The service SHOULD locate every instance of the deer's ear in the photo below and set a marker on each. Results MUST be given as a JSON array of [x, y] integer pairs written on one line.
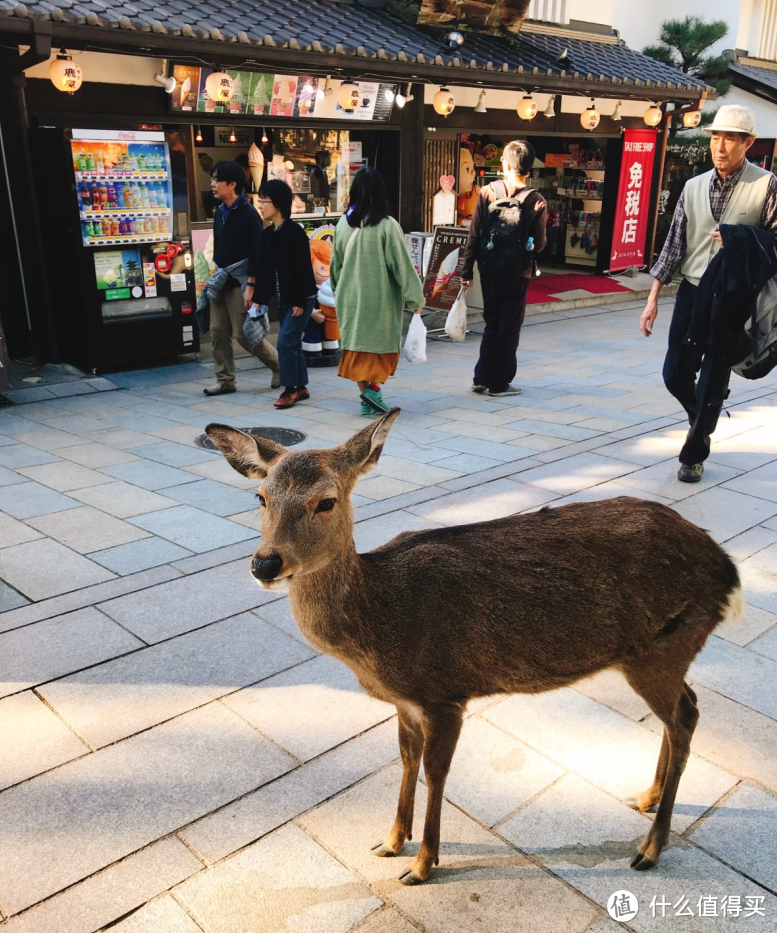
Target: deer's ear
[[363, 449], [249, 455]]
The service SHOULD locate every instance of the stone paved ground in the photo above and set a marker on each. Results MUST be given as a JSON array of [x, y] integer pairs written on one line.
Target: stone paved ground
[[176, 759]]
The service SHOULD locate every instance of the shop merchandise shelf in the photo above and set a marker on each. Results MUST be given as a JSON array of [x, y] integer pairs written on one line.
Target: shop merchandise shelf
[[122, 176]]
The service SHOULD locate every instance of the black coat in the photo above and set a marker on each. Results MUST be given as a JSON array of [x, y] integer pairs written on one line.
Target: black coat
[[235, 238], [284, 252], [724, 299]]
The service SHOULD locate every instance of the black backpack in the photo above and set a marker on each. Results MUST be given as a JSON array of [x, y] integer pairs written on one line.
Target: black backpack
[[504, 233]]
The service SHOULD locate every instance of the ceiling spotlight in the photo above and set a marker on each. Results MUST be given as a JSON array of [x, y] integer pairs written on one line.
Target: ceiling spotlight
[[232, 137], [389, 95], [564, 60], [401, 99], [323, 90], [481, 104], [265, 140], [550, 110], [167, 82], [454, 40], [198, 137], [616, 114]]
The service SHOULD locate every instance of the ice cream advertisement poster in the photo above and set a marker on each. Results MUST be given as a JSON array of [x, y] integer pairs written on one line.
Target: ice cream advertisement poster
[[284, 94], [240, 90], [187, 84], [305, 103], [260, 93], [443, 276]]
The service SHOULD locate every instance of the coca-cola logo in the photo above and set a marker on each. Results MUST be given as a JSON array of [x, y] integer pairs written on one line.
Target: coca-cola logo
[[126, 135]]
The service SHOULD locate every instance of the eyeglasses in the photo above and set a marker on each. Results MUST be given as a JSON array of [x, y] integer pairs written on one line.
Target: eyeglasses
[[264, 201]]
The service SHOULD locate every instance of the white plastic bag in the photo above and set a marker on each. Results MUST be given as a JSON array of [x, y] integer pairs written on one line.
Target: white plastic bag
[[456, 322], [414, 350]]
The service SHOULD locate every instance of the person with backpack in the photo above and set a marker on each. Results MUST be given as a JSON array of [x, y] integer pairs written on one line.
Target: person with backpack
[[735, 192], [506, 233]]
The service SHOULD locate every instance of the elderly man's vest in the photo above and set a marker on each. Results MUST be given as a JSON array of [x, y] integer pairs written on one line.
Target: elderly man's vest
[[745, 207]]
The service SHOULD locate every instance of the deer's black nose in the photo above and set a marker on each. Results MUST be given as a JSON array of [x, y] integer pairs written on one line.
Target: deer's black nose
[[266, 568]]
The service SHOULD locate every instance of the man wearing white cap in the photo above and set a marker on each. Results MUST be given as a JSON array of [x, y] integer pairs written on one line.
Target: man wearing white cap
[[734, 192]]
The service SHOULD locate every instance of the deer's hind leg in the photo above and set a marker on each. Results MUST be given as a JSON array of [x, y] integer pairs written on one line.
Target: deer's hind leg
[[674, 703], [411, 746]]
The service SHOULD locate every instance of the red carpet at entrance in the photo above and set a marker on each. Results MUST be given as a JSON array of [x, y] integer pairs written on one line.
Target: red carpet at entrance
[[543, 288]]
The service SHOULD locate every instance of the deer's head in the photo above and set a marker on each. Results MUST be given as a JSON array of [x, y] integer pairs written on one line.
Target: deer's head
[[304, 496]]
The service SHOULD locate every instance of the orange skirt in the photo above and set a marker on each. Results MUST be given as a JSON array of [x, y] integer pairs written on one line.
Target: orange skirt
[[360, 366]]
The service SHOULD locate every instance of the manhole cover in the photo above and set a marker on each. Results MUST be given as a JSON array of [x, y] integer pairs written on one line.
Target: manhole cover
[[284, 436]]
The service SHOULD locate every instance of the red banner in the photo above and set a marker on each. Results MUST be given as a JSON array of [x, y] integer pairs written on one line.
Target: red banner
[[633, 205]]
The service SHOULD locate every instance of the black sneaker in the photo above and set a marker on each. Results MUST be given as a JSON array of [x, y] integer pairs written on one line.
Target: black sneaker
[[479, 388], [690, 472]]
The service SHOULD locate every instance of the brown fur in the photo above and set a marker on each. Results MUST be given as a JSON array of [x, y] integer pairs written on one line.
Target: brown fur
[[518, 605]]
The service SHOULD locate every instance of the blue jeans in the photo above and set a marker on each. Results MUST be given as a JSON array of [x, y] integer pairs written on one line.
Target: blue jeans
[[294, 371]]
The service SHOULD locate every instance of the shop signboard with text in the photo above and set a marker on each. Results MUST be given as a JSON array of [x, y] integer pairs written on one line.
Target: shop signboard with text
[[443, 275], [633, 205]]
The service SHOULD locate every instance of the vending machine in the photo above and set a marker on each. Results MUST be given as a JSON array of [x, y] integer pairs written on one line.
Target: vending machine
[[120, 244]]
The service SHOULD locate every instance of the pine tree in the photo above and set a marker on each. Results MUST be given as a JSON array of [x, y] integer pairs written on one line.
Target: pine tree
[[682, 45]]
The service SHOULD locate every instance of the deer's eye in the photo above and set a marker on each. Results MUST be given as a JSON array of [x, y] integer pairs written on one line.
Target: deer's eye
[[326, 505], [262, 502]]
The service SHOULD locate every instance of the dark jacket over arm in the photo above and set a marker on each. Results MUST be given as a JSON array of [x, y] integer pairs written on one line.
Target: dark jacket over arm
[[284, 252], [486, 196]]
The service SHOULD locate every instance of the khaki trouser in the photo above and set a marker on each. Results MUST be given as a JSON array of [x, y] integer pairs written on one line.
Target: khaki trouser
[[227, 315]]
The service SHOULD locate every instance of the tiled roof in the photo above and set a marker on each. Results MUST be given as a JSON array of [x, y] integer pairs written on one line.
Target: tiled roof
[[344, 28], [764, 76]]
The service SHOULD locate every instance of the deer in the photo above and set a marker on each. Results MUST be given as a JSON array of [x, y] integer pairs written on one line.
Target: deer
[[522, 604]]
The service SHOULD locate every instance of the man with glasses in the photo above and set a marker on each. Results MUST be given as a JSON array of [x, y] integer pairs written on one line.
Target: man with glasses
[[734, 192], [236, 229]]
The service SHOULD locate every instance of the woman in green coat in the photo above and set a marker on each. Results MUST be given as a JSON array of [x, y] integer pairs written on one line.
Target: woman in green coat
[[373, 279]]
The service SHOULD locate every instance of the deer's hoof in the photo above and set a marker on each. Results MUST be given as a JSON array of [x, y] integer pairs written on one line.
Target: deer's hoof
[[641, 862], [410, 878], [381, 850]]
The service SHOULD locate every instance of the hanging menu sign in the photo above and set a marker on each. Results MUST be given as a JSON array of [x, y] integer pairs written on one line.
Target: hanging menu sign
[[282, 95]]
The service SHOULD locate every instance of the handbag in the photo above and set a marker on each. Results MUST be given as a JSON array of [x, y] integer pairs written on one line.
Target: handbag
[[456, 322]]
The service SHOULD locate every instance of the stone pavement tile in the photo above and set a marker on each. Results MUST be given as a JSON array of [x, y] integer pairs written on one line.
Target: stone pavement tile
[[148, 475], [739, 674], [472, 445], [385, 921], [725, 513], [302, 888], [384, 487], [120, 438], [742, 832], [662, 479], [49, 439], [754, 622], [40, 652], [11, 477], [750, 542], [10, 598], [123, 500], [511, 893], [466, 463], [138, 555], [575, 473], [610, 490], [765, 559], [311, 708], [187, 603], [122, 697], [181, 434], [278, 613], [493, 774], [484, 432], [221, 472], [760, 588], [766, 644], [213, 497], [86, 529], [193, 529], [646, 449], [761, 482], [133, 421], [612, 689], [491, 500], [588, 840], [64, 476], [572, 448], [15, 532], [364, 509], [176, 455], [79, 599], [164, 914], [112, 892], [378, 531], [606, 749], [44, 568], [415, 450], [253, 518], [85, 815], [566, 432], [26, 500], [33, 739], [540, 442], [253, 816], [418, 473], [216, 558], [485, 476], [606, 926]]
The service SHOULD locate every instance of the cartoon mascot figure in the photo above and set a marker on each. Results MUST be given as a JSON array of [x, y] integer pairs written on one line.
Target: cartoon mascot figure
[[322, 335]]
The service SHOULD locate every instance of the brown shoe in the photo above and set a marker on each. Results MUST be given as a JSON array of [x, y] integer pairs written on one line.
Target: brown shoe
[[219, 389], [287, 399], [302, 395]]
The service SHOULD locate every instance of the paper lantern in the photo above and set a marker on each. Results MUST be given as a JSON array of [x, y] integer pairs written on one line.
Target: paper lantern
[[65, 74], [653, 115], [692, 119], [219, 86], [589, 118], [444, 102], [527, 107], [348, 95]]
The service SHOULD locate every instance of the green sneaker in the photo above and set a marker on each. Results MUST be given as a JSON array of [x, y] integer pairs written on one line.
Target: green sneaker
[[368, 409], [374, 400]]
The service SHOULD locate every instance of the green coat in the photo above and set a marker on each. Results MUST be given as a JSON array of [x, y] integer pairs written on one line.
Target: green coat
[[372, 285]]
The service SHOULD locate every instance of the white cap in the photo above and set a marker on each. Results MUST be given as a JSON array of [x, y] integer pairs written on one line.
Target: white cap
[[733, 118]]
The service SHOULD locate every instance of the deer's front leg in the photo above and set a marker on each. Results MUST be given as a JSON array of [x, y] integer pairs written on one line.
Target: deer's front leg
[[411, 746], [441, 732]]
